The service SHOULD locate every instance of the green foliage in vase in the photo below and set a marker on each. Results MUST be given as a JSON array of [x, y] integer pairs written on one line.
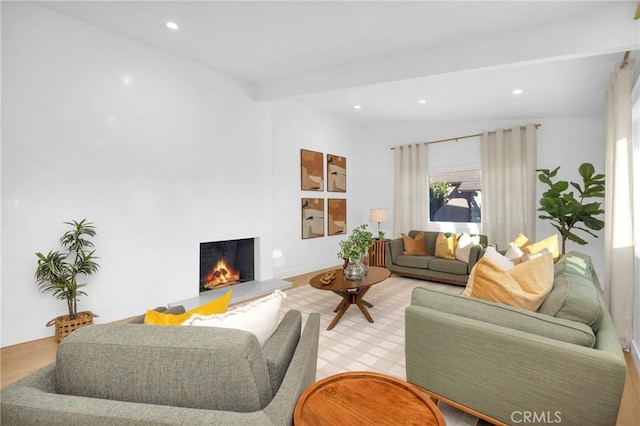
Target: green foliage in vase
[[357, 244], [58, 271], [568, 213]]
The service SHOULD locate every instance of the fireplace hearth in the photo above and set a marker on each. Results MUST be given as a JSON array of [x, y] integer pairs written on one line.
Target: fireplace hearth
[[225, 263]]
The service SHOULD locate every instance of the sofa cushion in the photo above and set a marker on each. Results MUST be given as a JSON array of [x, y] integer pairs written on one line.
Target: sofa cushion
[[448, 265], [207, 368], [421, 262], [506, 316], [575, 295], [525, 285], [414, 246]]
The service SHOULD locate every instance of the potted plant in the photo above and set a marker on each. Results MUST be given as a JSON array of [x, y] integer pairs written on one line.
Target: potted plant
[[568, 213], [352, 251], [58, 273]]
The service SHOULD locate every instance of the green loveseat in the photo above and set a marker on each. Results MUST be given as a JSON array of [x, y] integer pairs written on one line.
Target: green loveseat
[[451, 271], [562, 364], [115, 374]]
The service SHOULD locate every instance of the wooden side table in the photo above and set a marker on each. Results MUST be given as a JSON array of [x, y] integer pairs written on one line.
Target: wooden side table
[[377, 253], [365, 398]]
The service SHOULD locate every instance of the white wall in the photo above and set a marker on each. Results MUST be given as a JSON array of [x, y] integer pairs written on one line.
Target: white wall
[[160, 153], [297, 126], [564, 142]]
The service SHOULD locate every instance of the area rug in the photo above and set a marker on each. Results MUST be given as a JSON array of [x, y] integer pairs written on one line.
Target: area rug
[[355, 344]]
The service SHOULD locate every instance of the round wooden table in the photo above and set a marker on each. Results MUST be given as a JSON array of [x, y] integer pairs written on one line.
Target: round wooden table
[[365, 398], [352, 292]]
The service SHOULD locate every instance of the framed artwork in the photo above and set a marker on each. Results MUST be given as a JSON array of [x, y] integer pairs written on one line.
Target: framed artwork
[[337, 216], [311, 170], [312, 217], [336, 173]]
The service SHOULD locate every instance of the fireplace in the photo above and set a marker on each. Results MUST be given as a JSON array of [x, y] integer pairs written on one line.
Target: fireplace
[[225, 263]]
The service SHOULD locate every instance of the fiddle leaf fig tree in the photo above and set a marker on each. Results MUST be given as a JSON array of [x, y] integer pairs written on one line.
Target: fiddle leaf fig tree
[[58, 271], [568, 212]]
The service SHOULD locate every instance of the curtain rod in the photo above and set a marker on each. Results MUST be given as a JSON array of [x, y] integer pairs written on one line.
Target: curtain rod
[[537, 125]]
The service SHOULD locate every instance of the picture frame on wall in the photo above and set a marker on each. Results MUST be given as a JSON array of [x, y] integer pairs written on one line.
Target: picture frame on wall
[[312, 217], [336, 173], [311, 170], [336, 216]]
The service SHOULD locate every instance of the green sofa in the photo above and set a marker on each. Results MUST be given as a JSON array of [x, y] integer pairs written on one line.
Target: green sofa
[[431, 268], [115, 374], [562, 364]]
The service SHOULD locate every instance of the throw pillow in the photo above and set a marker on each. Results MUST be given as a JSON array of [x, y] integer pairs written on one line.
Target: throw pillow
[[215, 306], [259, 317], [525, 285], [446, 246], [521, 241], [490, 254], [513, 252], [550, 242], [464, 245], [414, 246]]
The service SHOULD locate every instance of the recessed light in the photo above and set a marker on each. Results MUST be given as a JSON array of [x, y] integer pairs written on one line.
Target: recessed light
[[172, 25], [422, 101], [357, 107], [518, 92]]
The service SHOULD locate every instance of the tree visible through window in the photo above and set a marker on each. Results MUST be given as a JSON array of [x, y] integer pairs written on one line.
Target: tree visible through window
[[455, 196]]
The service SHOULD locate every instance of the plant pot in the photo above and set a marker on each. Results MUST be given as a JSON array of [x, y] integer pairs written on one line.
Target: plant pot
[[65, 325]]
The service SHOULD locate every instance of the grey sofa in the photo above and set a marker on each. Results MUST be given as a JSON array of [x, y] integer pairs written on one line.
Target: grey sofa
[[430, 267], [115, 374], [562, 364]]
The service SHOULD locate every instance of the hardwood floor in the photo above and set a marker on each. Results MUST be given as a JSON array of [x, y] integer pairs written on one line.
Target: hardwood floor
[[19, 360]]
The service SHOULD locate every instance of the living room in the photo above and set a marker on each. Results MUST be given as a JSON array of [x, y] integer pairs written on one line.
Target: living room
[[163, 152]]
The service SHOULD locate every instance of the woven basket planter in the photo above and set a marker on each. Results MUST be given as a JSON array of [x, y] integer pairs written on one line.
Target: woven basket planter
[[65, 325]]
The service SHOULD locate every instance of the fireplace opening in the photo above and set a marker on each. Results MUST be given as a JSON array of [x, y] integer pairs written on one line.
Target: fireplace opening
[[225, 263]]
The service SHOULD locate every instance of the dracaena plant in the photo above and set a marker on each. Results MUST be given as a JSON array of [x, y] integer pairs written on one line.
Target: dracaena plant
[[570, 211], [58, 271]]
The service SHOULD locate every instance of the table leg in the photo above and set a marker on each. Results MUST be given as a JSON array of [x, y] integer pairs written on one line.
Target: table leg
[[367, 304], [361, 304], [344, 305]]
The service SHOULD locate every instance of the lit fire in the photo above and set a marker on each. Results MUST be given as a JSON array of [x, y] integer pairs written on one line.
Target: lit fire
[[221, 274]]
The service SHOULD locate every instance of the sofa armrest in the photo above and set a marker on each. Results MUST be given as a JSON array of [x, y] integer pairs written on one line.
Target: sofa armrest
[[281, 346], [474, 255], [500, 372], [394, 248]]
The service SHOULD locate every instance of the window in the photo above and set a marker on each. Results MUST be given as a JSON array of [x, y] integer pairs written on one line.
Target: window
[[455, 196]]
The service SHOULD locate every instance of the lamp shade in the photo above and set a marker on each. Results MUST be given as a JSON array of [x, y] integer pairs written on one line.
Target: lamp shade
[[379, 215]]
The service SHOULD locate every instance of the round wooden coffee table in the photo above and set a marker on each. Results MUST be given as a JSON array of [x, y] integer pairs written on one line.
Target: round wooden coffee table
[[352, 292], [365, 398]]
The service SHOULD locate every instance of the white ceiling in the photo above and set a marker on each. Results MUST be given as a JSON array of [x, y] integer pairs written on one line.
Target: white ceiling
[[463, 58]]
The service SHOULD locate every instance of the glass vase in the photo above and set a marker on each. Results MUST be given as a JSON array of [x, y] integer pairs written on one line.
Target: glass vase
[[354, 270]]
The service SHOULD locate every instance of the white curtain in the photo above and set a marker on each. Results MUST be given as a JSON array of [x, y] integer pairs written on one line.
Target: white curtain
[[410, 208], [508, 159], [618, 230]]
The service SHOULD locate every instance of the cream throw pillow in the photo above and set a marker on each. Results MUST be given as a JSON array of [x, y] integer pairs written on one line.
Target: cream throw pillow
[[513, 252], [464, 245], [259, 317], [446, 246], [526, 285], [490, 254]]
